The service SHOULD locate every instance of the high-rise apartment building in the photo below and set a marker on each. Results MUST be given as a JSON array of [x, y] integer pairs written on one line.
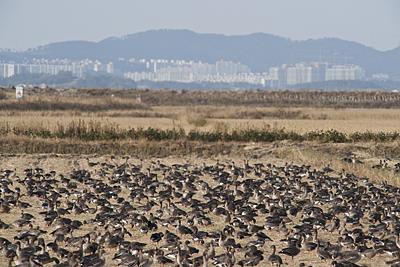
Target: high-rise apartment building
[[299, 73], [292, 74], [7, 70], [110, 68], [344, 73], [230, 68]]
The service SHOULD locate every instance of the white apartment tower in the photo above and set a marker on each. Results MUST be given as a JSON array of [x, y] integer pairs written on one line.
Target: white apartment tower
[[7, 70], [300, 73], [110, 68]]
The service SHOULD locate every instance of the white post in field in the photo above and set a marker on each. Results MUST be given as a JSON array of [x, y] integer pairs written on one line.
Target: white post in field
[[19, 91]]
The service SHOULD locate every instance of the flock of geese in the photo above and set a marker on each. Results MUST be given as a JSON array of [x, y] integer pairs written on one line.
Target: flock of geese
[[383, 163], [120, 213]]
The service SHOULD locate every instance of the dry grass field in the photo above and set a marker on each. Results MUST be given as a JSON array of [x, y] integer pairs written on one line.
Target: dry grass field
[[209, 118], [206, 110], [98, 130]]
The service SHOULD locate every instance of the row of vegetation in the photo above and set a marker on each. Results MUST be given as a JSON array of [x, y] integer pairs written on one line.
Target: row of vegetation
[[300, 98], [230, 112], [69, 103], [96, 131]]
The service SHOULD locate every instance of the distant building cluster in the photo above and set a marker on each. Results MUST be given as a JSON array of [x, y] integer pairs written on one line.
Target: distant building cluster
[[187, 71], [54, 67], [191, 71], [232, 72], [292, 74]]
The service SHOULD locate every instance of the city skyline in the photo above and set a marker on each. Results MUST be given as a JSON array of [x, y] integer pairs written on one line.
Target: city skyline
[[160, 70], [25, 24]]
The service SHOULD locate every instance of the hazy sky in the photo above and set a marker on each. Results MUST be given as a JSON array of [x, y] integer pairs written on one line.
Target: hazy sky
[[29, 23]]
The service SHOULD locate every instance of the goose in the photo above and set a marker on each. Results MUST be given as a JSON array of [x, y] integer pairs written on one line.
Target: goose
[[253, 261], [346, 240], [4, 207], [394, 262], [348, 256], [291, 251], [161, 259], [53, 246], [367, 252], [183, 230], [398, 240], [45, 258], [322, 253], [125, 258], [199, 235], [381, 165], [345, 264], [156, 237], [397, 167], [226, 259], [24, 255], [227, 243], [309, 245], [262, 236], [209, 251], [94, 260], [252, 251], [352, 160], [171, 238], [29, 263], [335, 224], [275, 260]]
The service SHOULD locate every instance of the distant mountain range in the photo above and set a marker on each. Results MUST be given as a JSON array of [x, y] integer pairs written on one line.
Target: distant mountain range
[[259, 51]]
